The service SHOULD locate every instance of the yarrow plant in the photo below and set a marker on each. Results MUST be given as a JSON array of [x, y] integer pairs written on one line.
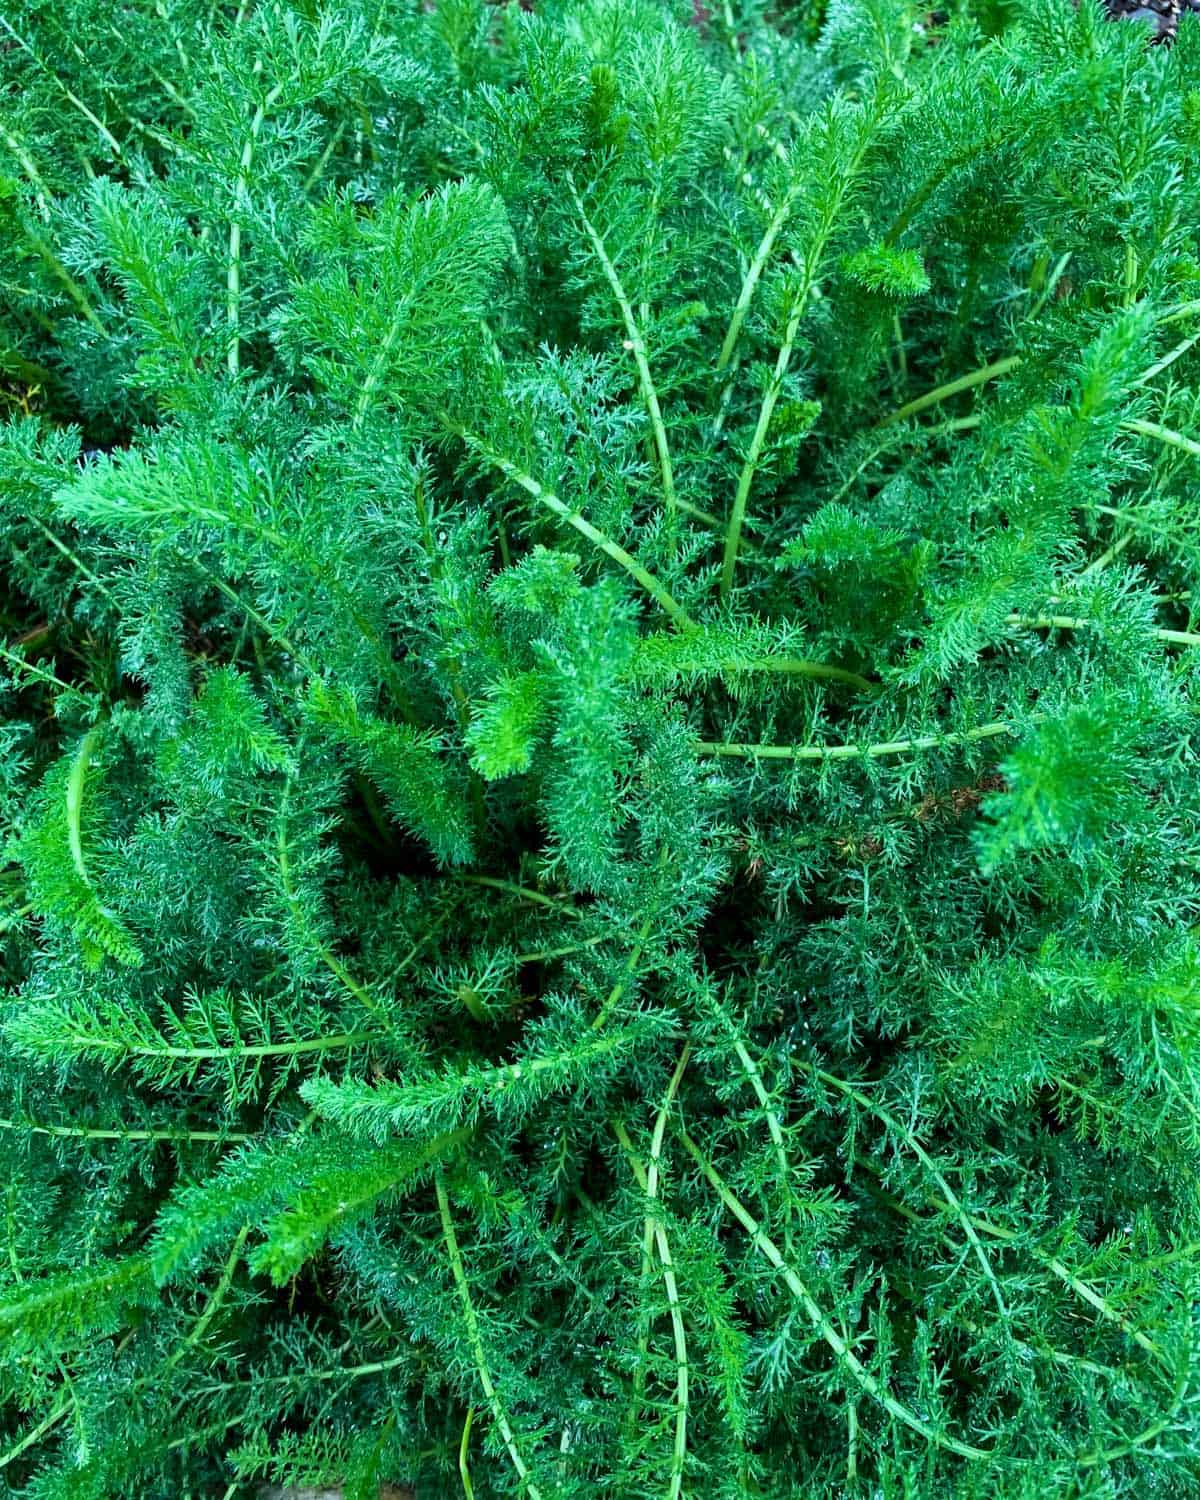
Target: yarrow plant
[[600, 798]]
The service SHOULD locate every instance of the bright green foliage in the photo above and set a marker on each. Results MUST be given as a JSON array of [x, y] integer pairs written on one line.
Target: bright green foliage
[[598, 791]]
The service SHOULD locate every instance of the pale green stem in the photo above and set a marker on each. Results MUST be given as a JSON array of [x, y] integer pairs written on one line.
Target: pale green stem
[[679, 1334], [475, 1341], [503, 1074], [29, 167], [83, 1133], [37, 1433], [212, 1306], [808, 268], [1163, 435], [329, 959], [1071, 622], [1169, 358], [751, 279], [1184, 310], [524, 892], [774, 1127], [551, 501], [841, 1348], [952, 388], [701, 515], [1097, 564], [323, 160], [13, 919], [636, 346], [855, 752], [798, 666], [801, 667], [545, 954], [1081, 1288], [200, 1054], [93, 119], [75, 561], [72, 287], [656, 1236], [34, 671], [733, 533], [464, 1456], [864, 1101], [631, 963], [75, 788], [1051, 283], [233, 280], [1003, 366]]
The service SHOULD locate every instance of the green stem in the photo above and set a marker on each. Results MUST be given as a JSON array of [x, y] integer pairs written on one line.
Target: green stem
[[37, 672], [29, 167], [545, 954], [36, 1434], [93, 119], [737, 516], [952, 388], [841, 1348], [551, 501], [1080, 1287], [655, 1235], [524, 892], [631, 963], [464, 1456], [753, 273], [269, 630], [75, 789], [807, 267], [1169, 358], [75, 561], [475, 1341], [1072, 622], [1176, 314], [79, 1132], [1163, 435], [13, 919], [637, 347], [801, 667], [654, 1219], [323, 160], [855, 752], [233, 279], [76, 293], [282, 1049], [328, 958], [214, 1302], [774, 1127], [864, 1101]]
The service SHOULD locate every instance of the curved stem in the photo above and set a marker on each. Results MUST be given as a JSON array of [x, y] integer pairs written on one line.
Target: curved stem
[[864, 1101], [841, 1348], [741, 497], [475, 1341], [637, 348], [753, 273], [585, 528]]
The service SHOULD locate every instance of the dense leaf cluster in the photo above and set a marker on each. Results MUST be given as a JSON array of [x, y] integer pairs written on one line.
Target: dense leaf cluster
[[601, 832]]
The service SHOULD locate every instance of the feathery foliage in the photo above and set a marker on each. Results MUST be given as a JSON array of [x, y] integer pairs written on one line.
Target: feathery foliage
[[597, 765]]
